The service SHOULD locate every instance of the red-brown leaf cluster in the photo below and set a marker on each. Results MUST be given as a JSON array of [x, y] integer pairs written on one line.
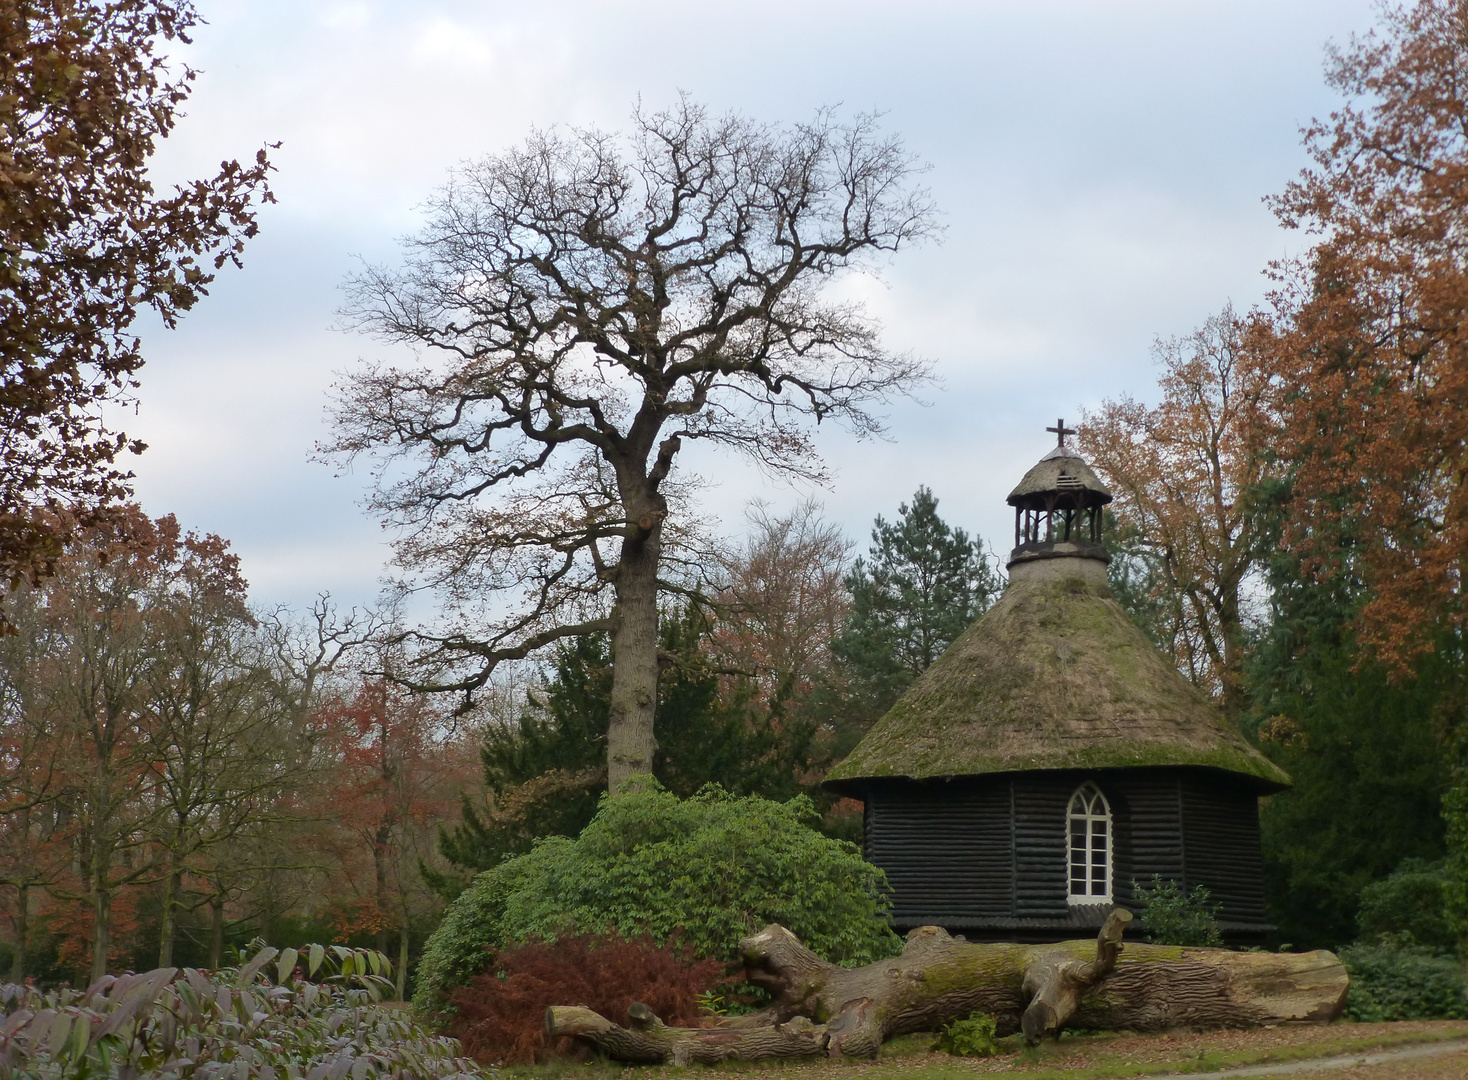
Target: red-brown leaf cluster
[[1367, 348], [501, 1014], [86, 243]]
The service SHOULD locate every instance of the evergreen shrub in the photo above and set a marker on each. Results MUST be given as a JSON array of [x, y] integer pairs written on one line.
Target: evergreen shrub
[[1397, 981], [500, 1015], [711, 869], [1173, 917], [1410, 903]]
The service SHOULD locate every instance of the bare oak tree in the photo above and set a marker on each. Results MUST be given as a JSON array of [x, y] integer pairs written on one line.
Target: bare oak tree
[[585, 305]]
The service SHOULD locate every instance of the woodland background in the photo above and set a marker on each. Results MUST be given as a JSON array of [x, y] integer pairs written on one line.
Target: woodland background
[[184, 772]]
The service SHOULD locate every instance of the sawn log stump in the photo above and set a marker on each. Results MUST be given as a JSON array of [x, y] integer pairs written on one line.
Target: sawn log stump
[[823, 1010]]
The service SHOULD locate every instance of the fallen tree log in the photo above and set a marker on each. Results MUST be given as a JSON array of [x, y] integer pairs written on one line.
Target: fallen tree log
[[821, 1009]]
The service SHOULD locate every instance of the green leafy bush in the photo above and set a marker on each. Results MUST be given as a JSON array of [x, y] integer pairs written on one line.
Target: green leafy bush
[[266, 1019], [970, 1037], [712, 868], [1396, 981], [1172, 917], [1411, 902], [471, 930]]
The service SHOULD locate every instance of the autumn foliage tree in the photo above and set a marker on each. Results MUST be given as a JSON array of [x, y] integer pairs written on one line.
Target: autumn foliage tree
[[784, 602], [1186, 476], [393, 772], [587, 305], [1367, 347], [122, 732], [86, 243]]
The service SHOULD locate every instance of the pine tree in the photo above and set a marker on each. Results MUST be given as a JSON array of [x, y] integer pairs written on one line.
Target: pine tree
[[921, 584]]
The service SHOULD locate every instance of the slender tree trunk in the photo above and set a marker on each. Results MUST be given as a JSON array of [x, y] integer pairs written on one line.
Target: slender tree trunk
[[630, 741], [101, 922], [21, 921], [216, 932], [1231, 628], [379, 864], [169, 930], [402, 983]]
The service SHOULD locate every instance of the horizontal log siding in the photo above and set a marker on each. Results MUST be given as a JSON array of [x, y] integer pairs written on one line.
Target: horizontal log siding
[[1221, 838], [945, 849], [1153, 826], [1040, 854], [967, 852]]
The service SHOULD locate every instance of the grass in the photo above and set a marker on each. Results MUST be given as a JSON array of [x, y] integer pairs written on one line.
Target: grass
[[1077, 1056]]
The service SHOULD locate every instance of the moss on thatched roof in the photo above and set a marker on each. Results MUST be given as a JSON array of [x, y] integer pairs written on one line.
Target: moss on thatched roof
[[1054, 676]]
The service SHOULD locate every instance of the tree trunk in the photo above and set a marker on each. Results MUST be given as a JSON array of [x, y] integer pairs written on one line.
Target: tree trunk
[[824, 1010], [101, 926], [380, 840], [21, 922], [630, 741], [402, 981], [216, 932], [168, 931], [1231, 671]]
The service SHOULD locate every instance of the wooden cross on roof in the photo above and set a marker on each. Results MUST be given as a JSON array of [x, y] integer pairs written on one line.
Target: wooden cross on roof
[[1061, 431]]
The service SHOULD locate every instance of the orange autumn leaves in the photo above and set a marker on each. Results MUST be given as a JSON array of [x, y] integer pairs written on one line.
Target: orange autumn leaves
[[1366, 345], [1351, 388]]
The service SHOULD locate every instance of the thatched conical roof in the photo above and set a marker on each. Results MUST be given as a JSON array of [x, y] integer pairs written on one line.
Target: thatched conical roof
[[1053, 676], [1062, 471]]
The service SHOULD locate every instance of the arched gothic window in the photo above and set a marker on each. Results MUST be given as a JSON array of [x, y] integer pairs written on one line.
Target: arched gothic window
[[1089, 821]]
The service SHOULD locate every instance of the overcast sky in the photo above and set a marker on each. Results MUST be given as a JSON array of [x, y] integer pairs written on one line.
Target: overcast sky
[[1100, 167]]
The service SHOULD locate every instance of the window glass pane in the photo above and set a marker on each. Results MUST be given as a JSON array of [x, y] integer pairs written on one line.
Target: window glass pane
[[1088, 827]]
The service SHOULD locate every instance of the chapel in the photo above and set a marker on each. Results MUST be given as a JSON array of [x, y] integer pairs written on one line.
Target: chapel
[[1053, 758]]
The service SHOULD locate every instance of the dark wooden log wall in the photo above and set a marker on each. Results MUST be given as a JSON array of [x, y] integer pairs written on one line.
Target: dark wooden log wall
[[989, 853]]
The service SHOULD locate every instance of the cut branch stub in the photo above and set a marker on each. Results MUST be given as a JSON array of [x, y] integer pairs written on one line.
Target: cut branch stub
[[1057, 984]]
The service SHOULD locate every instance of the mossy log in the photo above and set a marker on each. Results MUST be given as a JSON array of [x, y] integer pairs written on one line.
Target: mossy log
[[822, 1010]]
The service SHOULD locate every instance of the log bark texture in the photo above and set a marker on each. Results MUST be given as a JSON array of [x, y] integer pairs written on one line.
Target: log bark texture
[[821, 1009]]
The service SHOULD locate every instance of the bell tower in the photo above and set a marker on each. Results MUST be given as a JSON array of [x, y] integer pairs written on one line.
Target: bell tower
[[1058, 511]]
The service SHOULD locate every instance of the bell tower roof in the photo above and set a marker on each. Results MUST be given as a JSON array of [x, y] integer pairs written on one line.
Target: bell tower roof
[[1058, 507]]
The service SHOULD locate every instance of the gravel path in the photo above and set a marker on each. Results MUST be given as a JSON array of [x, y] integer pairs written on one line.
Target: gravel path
[[1407, 1062]]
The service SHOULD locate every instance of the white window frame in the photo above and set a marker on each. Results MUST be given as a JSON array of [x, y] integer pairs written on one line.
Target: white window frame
[[1089, 809]]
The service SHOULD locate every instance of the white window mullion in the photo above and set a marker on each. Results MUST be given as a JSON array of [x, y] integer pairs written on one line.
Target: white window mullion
[[1088, 828]]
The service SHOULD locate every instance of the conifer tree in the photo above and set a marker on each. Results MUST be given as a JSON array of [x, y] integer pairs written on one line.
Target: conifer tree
[[920, 585]]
